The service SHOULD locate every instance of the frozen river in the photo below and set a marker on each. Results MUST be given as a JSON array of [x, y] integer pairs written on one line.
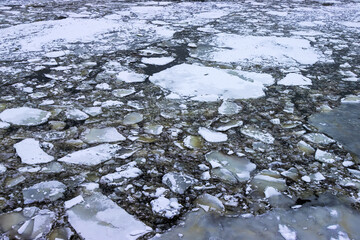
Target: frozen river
[[190, 120]]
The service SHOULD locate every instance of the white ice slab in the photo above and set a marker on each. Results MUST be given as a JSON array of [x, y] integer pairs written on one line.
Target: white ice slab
[[261, 49], [30, 152], [97, 217], [24, 116], [130, 77], [295, 79], [212, 136], [209, 84], [157, 60], [102, 135], [91, 156]]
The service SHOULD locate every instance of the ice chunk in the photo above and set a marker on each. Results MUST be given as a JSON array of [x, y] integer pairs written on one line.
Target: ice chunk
[[323, 156], [76, 114], [229, 108], [318, 138], [157, 60], [93, 111], [72, 202], [102, 135], [123, 92], [295, 79], [97, 217], [91, 156], [229, 125], [193, 142], [2, 168], [132, 118], [103, 86], [268, 178], [212, 136], [165, 207], [202, 83], [153, 129], [25, 116], [286, 232], [239, 168], [270, 191], [258, 134], [210, 203], [50, 190], [130, 77], [122, 173], [4, 125], [178, 182], [30, 152]]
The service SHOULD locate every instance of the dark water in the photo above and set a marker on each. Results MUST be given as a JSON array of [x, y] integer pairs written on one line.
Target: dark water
[[342, 124]]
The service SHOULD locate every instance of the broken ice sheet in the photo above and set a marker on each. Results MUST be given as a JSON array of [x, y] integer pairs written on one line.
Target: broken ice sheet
[[50, 190], [25, 116], [91, 156], [30, 152], [97, 217], [102, 135]]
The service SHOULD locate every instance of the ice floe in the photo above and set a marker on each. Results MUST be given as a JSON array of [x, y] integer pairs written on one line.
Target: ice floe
[[49, 190], [239, 168], [91, 156], [25, 116], [261, 49], [102, 135], [157, 60], [210, 84], [30, 152], [295, 79], [98, 217], [212, 136]]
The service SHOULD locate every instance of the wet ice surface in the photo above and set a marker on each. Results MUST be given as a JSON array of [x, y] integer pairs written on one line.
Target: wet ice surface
[[128, 117], [342, 124], [334, 221]]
